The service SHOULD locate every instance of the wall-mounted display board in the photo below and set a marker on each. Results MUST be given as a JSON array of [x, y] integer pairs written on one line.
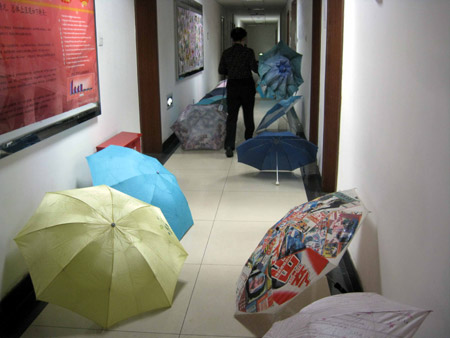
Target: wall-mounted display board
[[48, 69], [189, 38]]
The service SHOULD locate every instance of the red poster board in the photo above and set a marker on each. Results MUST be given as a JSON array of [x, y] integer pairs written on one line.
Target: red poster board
[[48, 60]]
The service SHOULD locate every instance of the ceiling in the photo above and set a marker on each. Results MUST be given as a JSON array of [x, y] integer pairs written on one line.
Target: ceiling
[[255, 11], [254, 4]]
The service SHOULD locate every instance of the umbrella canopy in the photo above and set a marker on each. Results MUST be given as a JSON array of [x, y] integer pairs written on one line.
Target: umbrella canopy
[[214, 99], [276, 151], [144, 178], [201, 127], [280, 72], [360, 314], [217, 95], [280, 109], [101, 253], [298, 250]]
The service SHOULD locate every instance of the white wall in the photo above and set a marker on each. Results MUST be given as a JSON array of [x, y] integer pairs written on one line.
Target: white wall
[[194, 87], [395, 148], [59, 162], [228, 26], [323, 51], [304, 47]]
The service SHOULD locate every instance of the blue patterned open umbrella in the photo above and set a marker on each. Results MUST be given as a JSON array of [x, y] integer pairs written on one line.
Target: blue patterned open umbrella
[[280, 109], [144, 178], [276, 151], [217, 95], [280, 72]]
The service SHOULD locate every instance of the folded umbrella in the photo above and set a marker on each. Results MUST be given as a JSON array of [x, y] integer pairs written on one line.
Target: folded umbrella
[[281, 109], [144, 178], [276, 151], [201, 127], [101, 253], [298, 250]]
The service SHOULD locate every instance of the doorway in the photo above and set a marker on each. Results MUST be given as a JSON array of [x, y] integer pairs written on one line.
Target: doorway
[[148, 75], [261, 37], [332, 94], [332, 86]]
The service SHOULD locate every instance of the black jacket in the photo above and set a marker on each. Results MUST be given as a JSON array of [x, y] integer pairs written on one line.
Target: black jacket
[[237, 62]]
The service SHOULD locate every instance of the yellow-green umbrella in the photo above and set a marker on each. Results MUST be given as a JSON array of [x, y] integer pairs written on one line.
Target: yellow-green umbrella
[[101, 253]]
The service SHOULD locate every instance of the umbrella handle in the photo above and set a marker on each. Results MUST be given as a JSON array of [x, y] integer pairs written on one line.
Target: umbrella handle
[[276, 162]]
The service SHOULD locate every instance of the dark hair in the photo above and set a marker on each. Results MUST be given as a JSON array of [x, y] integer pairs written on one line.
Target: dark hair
[[238, 33]]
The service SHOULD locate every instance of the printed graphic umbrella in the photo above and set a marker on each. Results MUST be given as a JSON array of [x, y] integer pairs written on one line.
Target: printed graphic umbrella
[[280, 109], [201, 127], [144, 178], [101, 253], [276, 151], [359, 314], [300, 249], [280, 72]]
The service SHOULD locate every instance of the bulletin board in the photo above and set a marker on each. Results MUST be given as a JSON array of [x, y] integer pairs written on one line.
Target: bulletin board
[[48, 69], [189, 38]]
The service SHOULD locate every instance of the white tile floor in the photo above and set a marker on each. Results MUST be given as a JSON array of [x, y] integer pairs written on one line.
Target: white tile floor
[[232, 205]]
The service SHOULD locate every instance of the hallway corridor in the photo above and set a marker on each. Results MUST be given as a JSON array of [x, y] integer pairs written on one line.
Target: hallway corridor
[[233, 205]]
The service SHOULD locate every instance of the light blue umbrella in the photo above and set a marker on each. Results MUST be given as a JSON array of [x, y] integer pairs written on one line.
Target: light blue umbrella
[[145, 178], [280, 72], [211, 100], [276, 151], [217, 95], [280, 109]]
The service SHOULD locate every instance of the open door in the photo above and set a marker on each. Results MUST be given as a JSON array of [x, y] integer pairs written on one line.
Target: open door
[[333, 86], [148, 75]]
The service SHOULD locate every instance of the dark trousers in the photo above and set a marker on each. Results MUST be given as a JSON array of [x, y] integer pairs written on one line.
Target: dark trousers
[[240, 93]]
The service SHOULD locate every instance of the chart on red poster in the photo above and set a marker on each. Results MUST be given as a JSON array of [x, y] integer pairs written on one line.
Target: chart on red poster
[[48, 60]]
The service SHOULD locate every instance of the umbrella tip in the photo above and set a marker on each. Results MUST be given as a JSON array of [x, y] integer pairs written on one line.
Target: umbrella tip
[[113, 224], [157, 172]]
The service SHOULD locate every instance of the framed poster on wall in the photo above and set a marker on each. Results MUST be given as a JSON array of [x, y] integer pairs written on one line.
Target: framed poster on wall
[[189, 38], [48, 69]]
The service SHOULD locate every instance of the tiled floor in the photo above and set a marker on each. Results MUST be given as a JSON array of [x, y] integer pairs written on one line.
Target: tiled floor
[[232, 205]]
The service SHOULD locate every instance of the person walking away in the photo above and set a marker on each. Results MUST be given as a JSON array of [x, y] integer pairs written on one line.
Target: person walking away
[[237, 63]]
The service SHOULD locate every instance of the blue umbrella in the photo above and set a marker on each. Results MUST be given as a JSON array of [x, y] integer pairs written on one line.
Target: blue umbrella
[[222, 91], [211, 100], [281, 108], [144, 178], [262, 93], [276, 151], [217, 95], [280, 72]]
